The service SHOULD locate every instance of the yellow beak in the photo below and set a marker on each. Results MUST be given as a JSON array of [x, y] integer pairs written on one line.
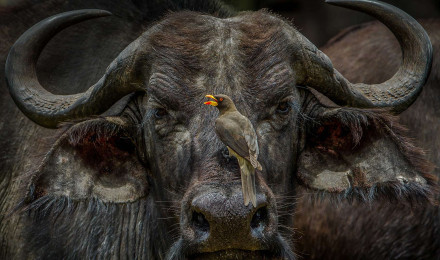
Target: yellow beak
[[212, 103]]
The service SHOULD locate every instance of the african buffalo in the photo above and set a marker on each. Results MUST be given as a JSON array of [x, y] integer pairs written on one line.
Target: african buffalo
[[125, 163]]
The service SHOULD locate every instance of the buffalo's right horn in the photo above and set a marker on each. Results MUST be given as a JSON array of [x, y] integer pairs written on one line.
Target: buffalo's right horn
[[47, 109]]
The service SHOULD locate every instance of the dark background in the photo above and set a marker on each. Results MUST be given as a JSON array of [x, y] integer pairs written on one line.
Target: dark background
[[319, 21]]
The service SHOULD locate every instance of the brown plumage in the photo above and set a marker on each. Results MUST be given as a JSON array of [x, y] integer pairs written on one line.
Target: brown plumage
[[238, 134]]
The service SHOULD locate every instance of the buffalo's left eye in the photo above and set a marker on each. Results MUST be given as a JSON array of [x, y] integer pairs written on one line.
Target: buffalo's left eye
[[283, 108], [160, 113]]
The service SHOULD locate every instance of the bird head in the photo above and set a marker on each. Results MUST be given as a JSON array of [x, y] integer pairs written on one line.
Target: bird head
[[222, 102]]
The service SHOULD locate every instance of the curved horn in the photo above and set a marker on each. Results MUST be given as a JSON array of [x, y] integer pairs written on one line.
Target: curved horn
[[47, 109], [397, 93]]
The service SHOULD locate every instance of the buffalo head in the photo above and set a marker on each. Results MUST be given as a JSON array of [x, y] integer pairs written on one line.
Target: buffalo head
[[152, 179]]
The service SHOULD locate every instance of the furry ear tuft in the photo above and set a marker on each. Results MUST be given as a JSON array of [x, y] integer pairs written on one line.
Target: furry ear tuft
[[363, 154], [93, 159]]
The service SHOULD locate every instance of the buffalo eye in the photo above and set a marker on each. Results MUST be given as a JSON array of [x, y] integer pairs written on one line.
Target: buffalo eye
[[160, 113], [283, 108], [124, 143]]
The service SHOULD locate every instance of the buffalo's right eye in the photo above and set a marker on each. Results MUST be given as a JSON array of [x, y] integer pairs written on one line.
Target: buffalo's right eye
[[160, 113]]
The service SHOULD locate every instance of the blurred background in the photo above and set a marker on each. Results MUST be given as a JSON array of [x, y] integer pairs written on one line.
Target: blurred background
[[319, 21], [315, 19]]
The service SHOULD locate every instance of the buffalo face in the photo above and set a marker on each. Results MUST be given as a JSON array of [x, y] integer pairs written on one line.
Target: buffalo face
[[182, 149], [153, 179]]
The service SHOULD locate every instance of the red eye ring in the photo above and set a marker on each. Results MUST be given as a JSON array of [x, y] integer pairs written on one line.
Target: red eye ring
[[221, 99]]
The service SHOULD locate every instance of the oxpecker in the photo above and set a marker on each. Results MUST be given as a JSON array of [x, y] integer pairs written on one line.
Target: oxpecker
[[238, 134]]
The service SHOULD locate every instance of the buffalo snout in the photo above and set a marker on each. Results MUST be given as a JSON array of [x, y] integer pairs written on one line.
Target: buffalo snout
[[214, 219]]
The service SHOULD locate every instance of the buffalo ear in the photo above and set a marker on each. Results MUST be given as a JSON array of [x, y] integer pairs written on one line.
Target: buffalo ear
[[92, 159], [362, 154]]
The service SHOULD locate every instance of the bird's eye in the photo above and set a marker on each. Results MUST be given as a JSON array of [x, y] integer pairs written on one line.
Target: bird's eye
[[221, 99], [283, 108], [160, 113]]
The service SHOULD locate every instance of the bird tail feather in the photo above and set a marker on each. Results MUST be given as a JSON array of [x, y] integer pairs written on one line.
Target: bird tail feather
[[248, 183]]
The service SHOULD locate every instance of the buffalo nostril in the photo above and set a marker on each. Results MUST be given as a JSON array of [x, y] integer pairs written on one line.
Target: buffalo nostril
[[199, 221], [260, 218]]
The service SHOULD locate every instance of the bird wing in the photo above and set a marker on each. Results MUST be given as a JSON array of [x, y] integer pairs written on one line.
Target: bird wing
[[237, 132], [252, 142]]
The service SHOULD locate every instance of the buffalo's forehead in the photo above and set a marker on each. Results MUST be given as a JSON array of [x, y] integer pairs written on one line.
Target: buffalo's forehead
[[246, 57]]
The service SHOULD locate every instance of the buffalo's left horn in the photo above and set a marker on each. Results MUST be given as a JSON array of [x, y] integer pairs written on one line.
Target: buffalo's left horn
[[48, 109], [397, 93]]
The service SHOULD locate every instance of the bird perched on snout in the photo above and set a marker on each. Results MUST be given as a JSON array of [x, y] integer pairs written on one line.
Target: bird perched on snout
[[238, 134]]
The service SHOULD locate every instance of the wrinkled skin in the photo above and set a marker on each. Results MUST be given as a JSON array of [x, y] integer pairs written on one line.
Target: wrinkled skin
[[144, 180], [20, 137], [166, 146], [179, 150]]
